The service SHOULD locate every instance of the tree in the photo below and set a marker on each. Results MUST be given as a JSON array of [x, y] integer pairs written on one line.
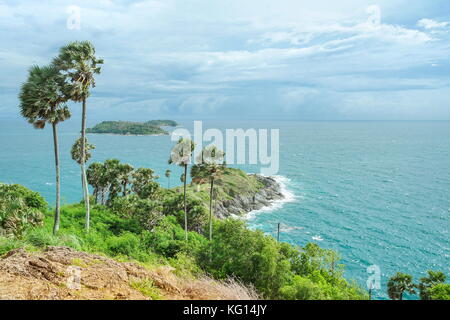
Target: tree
[[144, 184], [125, 173], [426, 283], [42, 100], [95, 177], [440, 291], [113, 186], [211, 167], [167, 174], [78, 63], [76, 150], [181, 155], [399, 284]]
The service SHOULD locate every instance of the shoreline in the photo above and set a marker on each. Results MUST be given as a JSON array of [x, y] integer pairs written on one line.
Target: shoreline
[[288, 196], [271, 196]]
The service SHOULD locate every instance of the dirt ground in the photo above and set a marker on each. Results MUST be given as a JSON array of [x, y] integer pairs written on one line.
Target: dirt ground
[[61, 273]]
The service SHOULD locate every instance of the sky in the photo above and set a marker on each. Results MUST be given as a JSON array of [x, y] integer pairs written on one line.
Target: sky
[[242, 59]]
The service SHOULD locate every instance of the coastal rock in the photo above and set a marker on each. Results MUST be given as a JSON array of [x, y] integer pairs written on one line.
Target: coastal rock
[[247, 202]]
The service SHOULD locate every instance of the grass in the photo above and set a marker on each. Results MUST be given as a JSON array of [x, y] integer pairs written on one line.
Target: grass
[[147, 288]]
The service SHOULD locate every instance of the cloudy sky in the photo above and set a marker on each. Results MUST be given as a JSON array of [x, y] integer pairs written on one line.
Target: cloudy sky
[[246, 59]]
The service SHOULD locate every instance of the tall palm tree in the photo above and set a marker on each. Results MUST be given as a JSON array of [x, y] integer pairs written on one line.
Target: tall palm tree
[[125, 171], [181, 155], [210, 166], [167, 174], [78, 63], [399, 284], [42, 100]]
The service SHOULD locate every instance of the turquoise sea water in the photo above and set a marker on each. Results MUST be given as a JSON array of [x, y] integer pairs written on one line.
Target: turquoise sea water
[[377, 192]]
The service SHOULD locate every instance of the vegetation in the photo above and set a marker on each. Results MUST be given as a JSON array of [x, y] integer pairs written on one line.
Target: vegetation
[[210, 167], [432, 287], [19, 208], [181, 155], [162, 123], [78, 63], [42, 100], [167, 174], [427, 283], [152, 127], [399, 284], [248, 256]]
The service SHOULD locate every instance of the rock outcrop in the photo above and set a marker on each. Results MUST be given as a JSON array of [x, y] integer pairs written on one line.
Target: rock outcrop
[[242, 203]]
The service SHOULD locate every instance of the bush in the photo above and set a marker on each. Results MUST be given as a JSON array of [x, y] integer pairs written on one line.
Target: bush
[[247, 255], [196, 212], [40, 238], [440, 292], [19, 208], [168, 239], [301, 289], [145, 211]]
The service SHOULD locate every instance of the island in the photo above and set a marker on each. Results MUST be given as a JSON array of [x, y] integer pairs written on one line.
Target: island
[[152, 127]]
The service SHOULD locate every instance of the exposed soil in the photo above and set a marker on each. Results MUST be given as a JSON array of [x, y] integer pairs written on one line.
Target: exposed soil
[[61, 273]]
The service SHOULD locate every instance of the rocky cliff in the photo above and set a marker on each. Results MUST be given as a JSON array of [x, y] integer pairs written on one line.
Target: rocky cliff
[[240, 203]]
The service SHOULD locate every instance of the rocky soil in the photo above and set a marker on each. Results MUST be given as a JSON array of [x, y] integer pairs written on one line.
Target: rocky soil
[[61, 273], [244, 203]]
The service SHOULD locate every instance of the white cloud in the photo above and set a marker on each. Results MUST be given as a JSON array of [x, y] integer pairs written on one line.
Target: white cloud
[[213, 56], [429, 24]]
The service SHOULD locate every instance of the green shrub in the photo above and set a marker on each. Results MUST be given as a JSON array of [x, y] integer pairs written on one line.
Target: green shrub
[[197, 214], [249, 256], [19, 208], [8, 244], [440, 292], [301, 289], [41, 238], [148, 213], [147, 288]]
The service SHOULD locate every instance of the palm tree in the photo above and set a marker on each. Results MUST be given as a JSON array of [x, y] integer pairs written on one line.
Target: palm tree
[[168, 172], [42, 100], [210, 166], [125, 170], [399, 284], [78, 63], [181, 155], [426, 283], [76, 150], [77, 155]]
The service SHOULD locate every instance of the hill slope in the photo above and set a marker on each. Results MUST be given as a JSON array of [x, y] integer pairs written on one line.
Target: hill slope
[[52, 275]]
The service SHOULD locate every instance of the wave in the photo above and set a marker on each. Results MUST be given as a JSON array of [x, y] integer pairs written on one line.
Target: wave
[[289, 196]]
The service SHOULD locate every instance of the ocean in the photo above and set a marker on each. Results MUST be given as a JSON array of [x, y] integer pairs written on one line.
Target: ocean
[[376, 192]]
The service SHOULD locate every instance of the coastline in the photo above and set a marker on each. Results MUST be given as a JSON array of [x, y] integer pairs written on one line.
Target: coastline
[[288, 196], [271, 196]]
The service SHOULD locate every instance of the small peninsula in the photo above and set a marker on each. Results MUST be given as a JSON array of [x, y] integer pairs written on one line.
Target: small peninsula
[[152, 127]]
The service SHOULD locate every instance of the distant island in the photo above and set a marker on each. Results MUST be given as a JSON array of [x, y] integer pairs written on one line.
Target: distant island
[[152, 127]]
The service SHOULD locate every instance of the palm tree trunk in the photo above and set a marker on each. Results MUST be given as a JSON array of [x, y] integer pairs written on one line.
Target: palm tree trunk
[[57, 209], [185, 208], [83, 167], [211, 208]]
